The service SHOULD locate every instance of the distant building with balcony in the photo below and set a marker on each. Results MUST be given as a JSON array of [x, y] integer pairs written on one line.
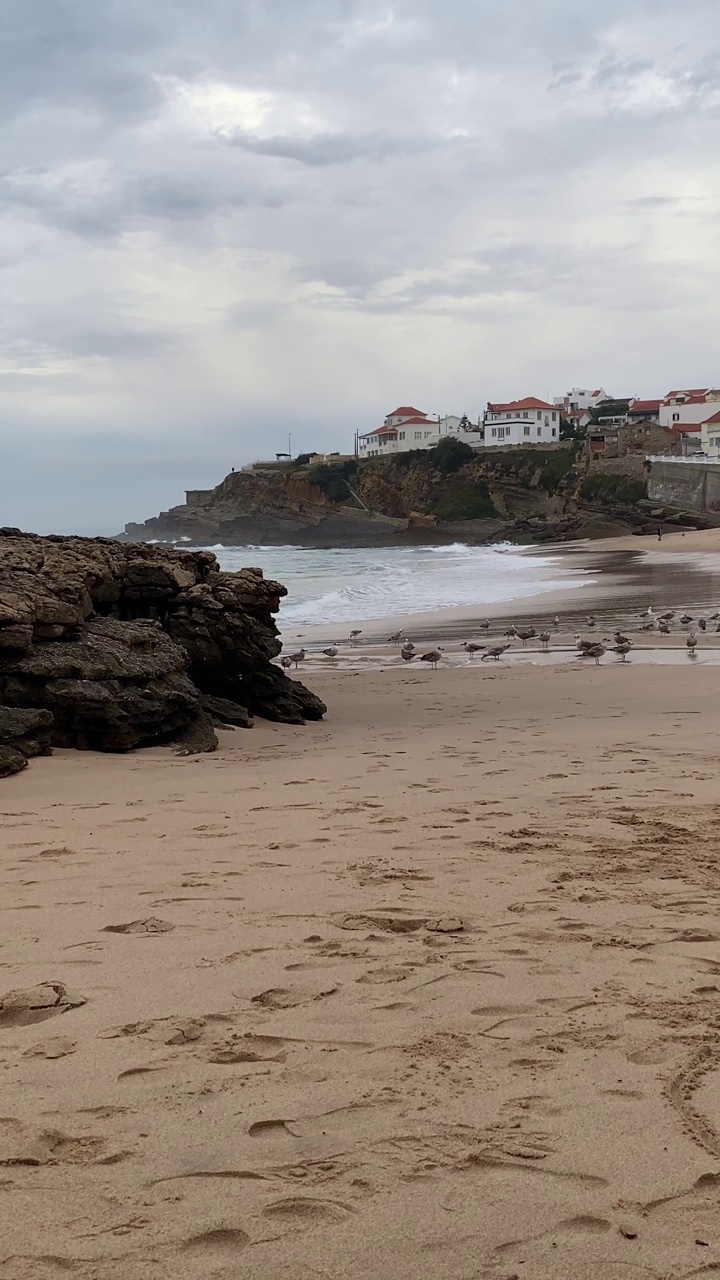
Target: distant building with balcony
[[528, 421]]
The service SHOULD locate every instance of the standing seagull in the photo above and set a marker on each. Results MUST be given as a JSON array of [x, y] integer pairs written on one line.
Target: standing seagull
[[544, 639], [407, 655], [556, 622], [686, 619], [332, 652], [286, 663], [596, 652], [623, 650], [664, 628], [408, 646], [702, 624], [496, 652], [298, 657], [354, 635], [485, 625], [433, 657], [528, 633], [396, 636], [471, 648], [691, 643], [590, 621]]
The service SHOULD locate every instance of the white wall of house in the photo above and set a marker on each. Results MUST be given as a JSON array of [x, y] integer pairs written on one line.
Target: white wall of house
[[579, 398], [507, 429], [710, 438], [673, 411]]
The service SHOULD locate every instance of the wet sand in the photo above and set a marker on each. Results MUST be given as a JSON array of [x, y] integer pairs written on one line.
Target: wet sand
[[428, 990]]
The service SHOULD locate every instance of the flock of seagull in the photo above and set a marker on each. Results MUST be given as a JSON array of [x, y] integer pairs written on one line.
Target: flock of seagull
[[621, 645]]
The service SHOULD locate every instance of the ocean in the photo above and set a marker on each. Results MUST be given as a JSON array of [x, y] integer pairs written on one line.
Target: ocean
[[359, 584]]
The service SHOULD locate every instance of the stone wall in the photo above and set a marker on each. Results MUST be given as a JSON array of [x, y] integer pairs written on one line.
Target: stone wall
[[632, 465], [689, 486]]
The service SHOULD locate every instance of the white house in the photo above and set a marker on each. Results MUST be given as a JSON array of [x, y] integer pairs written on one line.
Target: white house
[[688, 406], [710, 435], [405, 428], [528, 421], [578, 398]]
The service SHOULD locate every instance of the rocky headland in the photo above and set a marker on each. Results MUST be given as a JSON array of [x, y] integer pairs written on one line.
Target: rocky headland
[[109, 646], [444, 494]]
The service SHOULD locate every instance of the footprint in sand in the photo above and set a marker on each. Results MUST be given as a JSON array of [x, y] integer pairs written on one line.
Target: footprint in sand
[[218, 1240], [35, 1004], [151, 925], [300, 1211]]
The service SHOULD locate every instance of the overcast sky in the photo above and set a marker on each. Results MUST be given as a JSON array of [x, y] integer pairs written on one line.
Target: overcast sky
[[230, 220]]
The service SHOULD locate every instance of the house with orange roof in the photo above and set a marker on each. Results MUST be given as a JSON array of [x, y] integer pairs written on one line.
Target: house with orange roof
[[527, 421], [578, 399], [688, 406], [710, 434]]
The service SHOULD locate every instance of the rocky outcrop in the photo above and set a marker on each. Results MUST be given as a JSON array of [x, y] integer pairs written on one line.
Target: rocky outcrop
[[106, 646]]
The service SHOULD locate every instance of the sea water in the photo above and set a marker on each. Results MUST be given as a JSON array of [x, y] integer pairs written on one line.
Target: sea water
[[346, 584]]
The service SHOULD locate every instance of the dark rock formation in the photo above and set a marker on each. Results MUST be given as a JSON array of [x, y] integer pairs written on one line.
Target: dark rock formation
[[109, 646], [23, 734]]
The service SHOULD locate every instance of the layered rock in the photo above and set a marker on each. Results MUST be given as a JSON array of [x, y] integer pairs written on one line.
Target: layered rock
[[122, 646]]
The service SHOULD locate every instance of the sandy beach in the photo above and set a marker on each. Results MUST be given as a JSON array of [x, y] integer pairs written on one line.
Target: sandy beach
[[429, 989]]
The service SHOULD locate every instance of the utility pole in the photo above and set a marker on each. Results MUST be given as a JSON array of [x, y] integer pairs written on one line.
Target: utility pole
[[289, 444]]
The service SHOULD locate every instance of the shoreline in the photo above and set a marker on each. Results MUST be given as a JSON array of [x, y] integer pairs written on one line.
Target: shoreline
[[630, 571]]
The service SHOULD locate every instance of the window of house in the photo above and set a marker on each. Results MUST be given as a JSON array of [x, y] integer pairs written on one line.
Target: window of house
[[525, 415], [402, 435], [526, 429], [539, 415], [539, 431], [418, 435], [554, 431], [676, 417], [507, 415], [553, 417], [494, 431]]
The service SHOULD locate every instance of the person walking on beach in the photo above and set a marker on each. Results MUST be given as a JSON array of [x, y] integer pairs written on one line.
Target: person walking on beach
[[660, 532]]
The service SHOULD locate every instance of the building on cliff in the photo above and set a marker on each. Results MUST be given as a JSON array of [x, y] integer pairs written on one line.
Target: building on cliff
[[578, 399], [408, 428], [528, 421]]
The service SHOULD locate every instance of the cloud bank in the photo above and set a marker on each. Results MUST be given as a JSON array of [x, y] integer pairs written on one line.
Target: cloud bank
[[221, 223]]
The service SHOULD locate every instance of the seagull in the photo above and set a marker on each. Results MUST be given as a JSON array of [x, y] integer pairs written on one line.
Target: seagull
[[686, 619], [556, 621], [702, 624], [623, 650], [496, 652], [354, 635], [648, 626], [648, 613], [286, 663], [691, 643], [544, 639], [485, 625], [596, 651], [332, 652], [297, 657], [511, 631], [433, 657], [396, 637], [408, 646], [668, 617], [664, 627], [407, 655], [528, 634], [583, 645], [714, 617], [590, 621], [470, 647], [621, 639]]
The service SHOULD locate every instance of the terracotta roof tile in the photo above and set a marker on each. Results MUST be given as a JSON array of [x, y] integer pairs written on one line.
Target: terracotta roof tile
[[530, 402]]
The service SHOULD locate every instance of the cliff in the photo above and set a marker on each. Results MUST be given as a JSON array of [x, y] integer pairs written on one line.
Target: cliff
[[430, 495], [108, 646]]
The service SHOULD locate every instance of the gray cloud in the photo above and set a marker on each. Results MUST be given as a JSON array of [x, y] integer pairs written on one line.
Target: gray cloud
[[224, 221]]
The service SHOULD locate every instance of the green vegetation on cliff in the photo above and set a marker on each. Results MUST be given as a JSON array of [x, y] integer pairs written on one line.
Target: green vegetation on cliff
[[332, 478], [544, 470], [613, 489], [465, 499]]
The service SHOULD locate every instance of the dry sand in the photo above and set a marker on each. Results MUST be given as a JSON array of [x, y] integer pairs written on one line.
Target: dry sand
[[292, 1072]]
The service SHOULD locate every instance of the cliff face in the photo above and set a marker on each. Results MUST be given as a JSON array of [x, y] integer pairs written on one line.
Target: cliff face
[[110, 646], [362, 502]]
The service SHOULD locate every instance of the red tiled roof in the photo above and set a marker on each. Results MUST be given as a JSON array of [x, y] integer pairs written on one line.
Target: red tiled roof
[[715, 418], [407, 411], [423, 422], [695, 391], [381, 431], [596, 393], [530, 402], [684, 427], [645, 406]]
